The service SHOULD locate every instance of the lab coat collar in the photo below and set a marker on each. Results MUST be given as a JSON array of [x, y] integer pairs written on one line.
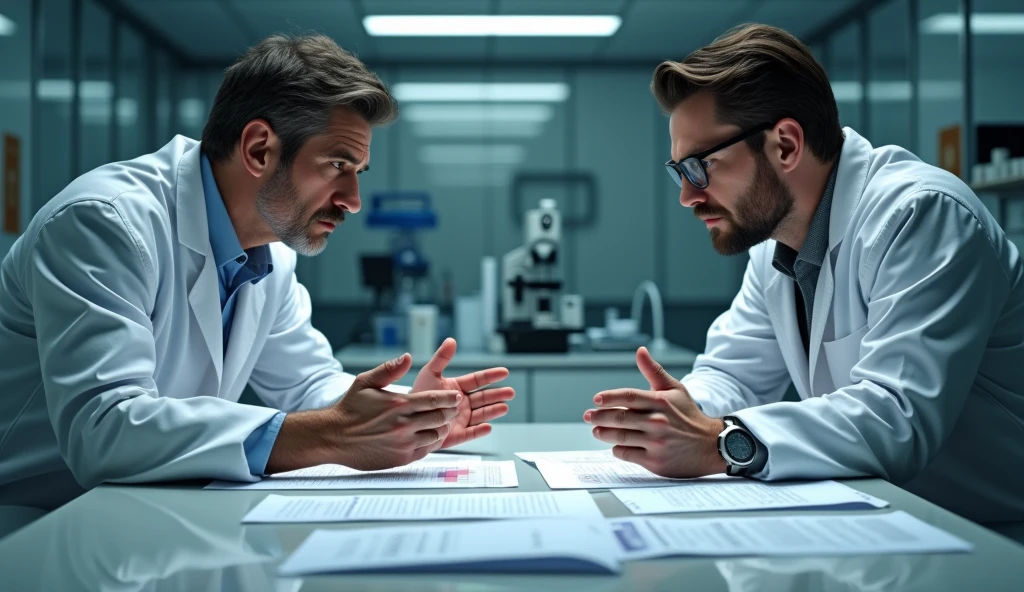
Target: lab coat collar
[[194, 234], [854, 162]]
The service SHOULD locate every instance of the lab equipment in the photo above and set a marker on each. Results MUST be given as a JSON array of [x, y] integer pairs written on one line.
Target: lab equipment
[[531, 283]]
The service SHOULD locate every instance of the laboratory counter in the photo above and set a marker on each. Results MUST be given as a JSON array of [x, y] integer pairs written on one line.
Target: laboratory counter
[[549, 387], [179, 537]]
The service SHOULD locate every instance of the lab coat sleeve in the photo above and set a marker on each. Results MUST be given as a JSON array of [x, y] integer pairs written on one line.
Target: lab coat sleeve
[[742, 365], [296, 370], [934, 288], [93, 286]]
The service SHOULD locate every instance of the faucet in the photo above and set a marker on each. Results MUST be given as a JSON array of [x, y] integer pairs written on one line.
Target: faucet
[[658, 343]]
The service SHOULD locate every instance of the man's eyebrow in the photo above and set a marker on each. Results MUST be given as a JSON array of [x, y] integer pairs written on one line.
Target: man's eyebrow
[[342, 154], [347, 156]]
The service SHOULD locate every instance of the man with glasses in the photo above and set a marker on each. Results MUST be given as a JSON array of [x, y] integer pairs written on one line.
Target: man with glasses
[[879, 286]]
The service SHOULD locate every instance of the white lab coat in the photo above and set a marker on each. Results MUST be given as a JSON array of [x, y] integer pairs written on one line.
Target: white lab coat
[[916, 365], [113, 367]]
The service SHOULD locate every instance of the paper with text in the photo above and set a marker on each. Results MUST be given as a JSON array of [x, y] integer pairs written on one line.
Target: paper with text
[[356, 508], [742, 494], [432, 475], [842, 534], [505, 546]]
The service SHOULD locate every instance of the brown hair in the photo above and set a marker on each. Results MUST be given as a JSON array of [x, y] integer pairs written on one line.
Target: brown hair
[[758, 74], [293, 83]]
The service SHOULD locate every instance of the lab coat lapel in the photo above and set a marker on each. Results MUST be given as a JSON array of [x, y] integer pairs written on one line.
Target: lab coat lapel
[[854, 162], [194, 233], [819, 319], [248, 306], [779, 296]]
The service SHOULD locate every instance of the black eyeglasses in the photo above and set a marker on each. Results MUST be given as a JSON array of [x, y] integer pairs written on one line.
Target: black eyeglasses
[[695, 169]]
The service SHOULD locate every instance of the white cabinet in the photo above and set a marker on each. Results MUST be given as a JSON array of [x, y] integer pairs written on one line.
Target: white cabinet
[[563, 395]]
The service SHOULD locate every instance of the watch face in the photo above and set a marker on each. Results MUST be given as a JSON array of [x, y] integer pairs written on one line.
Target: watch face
[[740, 446]]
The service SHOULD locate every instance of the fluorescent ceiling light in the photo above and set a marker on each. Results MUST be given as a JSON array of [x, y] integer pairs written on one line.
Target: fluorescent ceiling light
[[481, 113], [491, 25], [477, 129], [472, 154], [887, 91], [62, 89], [553, 92], [989, 23], [7, 26]]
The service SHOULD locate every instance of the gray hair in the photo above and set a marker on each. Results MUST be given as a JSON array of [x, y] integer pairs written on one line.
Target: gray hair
[[293, 83]]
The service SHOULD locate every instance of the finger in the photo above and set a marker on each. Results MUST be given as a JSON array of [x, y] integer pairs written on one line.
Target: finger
[[475, 380], [429, 400], [470, 433], [623, 418], [386, 373], [434, 418], [491, 396], [620, 436], [630, 398], [439, 361], [631, 454], [442, 435], [655, 373], [425, 438], [487, 413]]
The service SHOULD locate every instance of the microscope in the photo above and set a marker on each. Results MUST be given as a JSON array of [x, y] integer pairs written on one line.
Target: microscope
[[536, 318]]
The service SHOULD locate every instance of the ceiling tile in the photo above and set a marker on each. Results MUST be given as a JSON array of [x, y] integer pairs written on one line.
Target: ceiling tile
[[658, 29], [799, 17], [426, 7], [338, 20], [201, 29], [561, 7]]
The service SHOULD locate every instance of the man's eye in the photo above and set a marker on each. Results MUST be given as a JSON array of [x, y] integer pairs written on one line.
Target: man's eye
[[337, 165], [708, 163]]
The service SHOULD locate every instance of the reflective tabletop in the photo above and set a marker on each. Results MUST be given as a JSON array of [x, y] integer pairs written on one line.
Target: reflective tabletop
[[179, 537]]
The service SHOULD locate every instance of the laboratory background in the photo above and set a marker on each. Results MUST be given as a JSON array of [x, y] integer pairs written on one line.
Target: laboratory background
[[519, 203]]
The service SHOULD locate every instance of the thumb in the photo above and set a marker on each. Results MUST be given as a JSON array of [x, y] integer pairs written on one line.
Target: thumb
[[441, 358], [655, 373], [386, 373]]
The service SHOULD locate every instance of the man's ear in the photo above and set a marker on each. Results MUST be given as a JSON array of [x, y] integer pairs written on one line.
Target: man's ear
[[259, 148], [788, 144]]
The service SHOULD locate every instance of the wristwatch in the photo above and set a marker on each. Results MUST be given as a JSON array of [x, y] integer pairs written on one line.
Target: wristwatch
[[743, 453]]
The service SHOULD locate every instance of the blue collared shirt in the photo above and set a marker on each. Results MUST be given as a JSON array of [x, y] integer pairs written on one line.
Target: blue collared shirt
[[235, 268]]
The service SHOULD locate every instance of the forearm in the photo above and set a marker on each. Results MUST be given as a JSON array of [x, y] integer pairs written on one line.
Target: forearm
[[306, 439]]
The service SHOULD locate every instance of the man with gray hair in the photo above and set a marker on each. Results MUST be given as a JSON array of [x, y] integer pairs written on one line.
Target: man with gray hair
[[143, 298]]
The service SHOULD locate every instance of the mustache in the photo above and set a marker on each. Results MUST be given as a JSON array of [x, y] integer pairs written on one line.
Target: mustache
[[706, 211], [332, 216]]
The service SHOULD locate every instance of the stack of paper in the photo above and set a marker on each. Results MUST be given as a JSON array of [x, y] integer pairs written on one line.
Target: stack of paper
[[418, 475], [587, 546], [842, 534], [355, 508], [510, 546], [588, 469], [740, 494]]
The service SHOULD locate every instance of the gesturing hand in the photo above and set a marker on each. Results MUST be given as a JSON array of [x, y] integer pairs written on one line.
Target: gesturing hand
[[662, 429], [475, 410], [377, 429]]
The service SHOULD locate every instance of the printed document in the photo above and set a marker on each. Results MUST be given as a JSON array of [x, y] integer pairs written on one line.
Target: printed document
[[832, 534], [453, 474], [358, 508], [505, 546], [741, 494]]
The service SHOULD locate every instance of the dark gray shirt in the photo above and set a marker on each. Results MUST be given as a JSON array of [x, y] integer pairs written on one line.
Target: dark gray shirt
[[804, 267]]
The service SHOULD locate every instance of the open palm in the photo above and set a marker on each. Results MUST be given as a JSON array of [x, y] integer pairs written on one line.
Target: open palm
[[475, 409]]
